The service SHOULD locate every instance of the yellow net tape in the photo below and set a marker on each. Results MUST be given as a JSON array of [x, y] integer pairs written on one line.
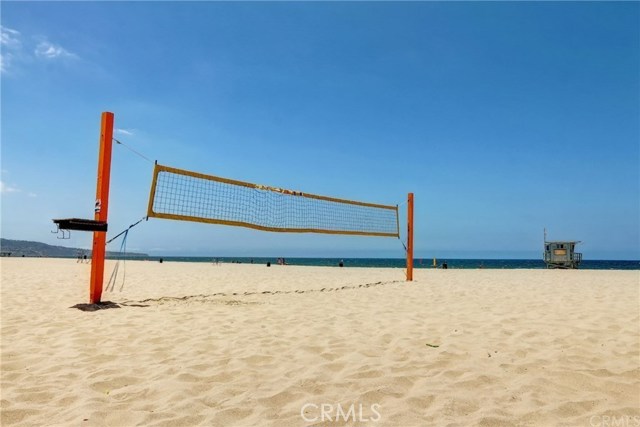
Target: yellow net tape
[[190, 196]]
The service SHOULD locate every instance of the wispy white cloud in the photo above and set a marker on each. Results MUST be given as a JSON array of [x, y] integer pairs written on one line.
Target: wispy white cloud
[[4, 188], [22, 49], [49, 50], [9, 38], [125, 132], [10, 42], [10, 188]]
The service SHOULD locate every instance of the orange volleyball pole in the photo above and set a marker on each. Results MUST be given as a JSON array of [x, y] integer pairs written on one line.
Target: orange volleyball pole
[[101, 207], [410, 237]]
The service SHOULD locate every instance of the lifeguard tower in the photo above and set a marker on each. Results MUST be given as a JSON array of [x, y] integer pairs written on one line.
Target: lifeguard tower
[[561, 254]]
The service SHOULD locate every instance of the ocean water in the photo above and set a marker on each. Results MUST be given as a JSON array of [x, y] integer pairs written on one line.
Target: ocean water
[[401, 263]]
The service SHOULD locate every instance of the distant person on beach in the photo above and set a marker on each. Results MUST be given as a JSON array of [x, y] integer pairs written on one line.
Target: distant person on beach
[[341, 263], [444, 265]]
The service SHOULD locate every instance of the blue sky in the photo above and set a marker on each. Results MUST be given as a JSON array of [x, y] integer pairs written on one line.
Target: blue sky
[[502, 118]]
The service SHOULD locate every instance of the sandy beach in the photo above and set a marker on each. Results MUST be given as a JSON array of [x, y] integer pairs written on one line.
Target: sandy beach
[[246, 345]]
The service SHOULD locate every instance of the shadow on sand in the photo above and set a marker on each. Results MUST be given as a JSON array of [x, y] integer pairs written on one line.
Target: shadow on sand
[[104, 305], [97, 306]]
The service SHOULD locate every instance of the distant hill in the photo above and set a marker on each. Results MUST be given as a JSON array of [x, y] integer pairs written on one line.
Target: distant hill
[[18, 248]]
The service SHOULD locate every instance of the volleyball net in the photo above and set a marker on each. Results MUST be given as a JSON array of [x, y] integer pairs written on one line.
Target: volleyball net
[[190, 196]]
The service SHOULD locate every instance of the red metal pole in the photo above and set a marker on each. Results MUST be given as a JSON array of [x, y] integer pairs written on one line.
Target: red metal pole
[[101, 207], [410, 238]]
